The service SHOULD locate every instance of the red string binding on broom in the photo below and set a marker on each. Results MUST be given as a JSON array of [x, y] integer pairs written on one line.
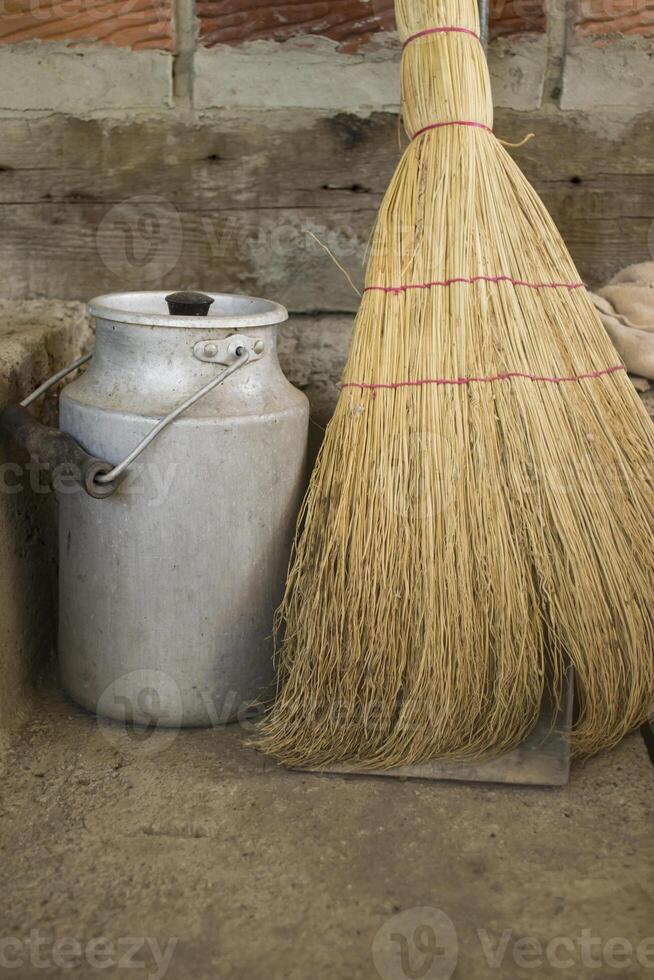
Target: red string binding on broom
[[452, 122], [441, 30], [473, 279], [505, 376]]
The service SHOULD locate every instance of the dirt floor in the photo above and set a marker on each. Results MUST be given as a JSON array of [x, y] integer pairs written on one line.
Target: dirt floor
[[191, 856]]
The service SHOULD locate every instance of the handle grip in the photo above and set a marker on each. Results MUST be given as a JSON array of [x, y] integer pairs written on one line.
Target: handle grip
[[56, 451]]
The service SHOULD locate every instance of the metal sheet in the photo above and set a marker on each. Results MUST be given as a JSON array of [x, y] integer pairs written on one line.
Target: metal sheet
[[543, 759]]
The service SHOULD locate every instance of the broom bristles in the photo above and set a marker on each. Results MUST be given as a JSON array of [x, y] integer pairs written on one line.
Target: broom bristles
[[482, 511]]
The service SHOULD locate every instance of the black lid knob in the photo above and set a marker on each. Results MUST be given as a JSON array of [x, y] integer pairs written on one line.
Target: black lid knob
[[188, 303]]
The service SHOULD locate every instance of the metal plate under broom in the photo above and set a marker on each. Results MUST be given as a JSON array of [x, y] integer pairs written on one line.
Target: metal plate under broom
[[543, 759]]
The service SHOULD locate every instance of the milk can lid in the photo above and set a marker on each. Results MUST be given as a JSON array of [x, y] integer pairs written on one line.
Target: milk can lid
[[182, 309], [189, 303]]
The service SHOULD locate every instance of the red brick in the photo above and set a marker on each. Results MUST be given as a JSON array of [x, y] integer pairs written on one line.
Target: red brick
[[596, 18], [509, 17], [351, 22], [134, 24]]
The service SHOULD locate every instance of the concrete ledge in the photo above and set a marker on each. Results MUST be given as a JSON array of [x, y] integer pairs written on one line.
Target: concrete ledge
[[82, 79], [517, 69], [36, 339], [618, 74], [309, 73], [312, 73]]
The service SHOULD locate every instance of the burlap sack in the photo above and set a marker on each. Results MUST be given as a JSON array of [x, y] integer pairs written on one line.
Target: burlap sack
[[626, 308]]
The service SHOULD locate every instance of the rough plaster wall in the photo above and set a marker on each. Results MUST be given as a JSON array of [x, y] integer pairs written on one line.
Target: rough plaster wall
[[36, 339]]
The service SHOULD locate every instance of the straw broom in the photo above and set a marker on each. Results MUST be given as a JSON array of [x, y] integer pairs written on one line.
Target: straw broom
[[482, 510]]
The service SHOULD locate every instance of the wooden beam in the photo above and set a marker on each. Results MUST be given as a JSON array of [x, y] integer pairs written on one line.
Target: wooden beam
[[229, 201]]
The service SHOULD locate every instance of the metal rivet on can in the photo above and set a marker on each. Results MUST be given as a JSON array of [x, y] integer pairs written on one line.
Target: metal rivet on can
[[258, 346], [210, 350]]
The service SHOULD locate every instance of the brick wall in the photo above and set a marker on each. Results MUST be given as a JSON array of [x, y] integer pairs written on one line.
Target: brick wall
[[350, 22], [599, 18], [145, 24], [149, 24], [137, 24]]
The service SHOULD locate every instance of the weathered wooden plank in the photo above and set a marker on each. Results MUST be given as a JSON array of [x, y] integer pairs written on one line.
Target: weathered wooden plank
[[565, 141], [228, 201], [242, 162], [229, 185], [287, 146], [254, 156], [79, 250]]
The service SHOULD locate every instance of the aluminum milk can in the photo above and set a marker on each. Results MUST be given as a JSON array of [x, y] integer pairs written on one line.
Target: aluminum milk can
[[174, 560]]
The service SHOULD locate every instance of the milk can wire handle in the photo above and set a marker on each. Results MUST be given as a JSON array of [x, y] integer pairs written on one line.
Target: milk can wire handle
[[242, 357], [41, 390], [103, 476]]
